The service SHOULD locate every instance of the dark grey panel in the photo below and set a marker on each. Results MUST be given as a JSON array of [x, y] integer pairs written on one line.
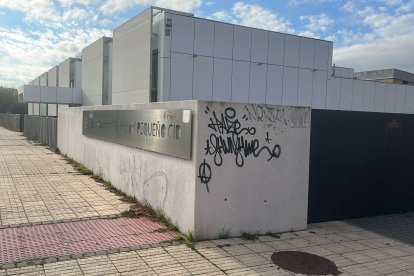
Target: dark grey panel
[[361, 164], [166, 131]]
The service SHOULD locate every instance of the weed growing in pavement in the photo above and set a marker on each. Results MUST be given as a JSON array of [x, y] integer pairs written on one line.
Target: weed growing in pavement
[[78, 166], [127, 213], [190, 240], [224, 233], [137, 209], [249, 236], [274, 235], [179, 239], [223, 245]]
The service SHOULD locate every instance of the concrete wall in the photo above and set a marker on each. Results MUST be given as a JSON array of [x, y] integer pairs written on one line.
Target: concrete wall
[[53, 76], [108, 74], [64, 73], [258, 190], [95, 72], [31, 93], [48, 94], [166, 182], [43, 79], [52, 110], [263, 188], [131, 60], [77, 74], [70, 71], [342, 72]]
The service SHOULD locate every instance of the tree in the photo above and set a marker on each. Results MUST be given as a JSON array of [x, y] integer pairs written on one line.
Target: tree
[[9, 101]]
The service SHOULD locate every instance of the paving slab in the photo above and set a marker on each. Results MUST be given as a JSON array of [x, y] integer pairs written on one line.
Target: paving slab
[[242, 257], [41, 195], [78, 238], [39, 186]]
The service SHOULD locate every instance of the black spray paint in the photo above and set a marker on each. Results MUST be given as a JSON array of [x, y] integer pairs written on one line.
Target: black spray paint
[[228, 137]]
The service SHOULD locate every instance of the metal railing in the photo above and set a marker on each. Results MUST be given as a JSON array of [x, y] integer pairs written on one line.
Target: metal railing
[[12, 121], [42, 129]]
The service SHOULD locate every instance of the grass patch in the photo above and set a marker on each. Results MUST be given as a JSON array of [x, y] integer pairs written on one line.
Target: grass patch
[[137, 209], [274, 235], [78, 166], [179, 239], [160, 216], [189, 240], [127, 213], [249, 236], [224, 233]]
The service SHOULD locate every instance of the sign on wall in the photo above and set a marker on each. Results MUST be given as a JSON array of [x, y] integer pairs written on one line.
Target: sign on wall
[[166, 131]]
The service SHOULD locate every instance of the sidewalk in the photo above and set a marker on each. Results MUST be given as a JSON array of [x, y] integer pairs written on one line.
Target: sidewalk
[[39, 186], [54, 221]]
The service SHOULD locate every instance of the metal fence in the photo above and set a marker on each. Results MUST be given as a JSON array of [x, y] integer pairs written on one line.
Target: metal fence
[[12, 121], [42, 129]]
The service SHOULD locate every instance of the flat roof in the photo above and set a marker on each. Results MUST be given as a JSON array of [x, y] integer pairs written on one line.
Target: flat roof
[[385, 74]]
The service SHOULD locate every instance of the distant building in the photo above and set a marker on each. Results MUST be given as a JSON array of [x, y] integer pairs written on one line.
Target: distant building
[[387, 75]]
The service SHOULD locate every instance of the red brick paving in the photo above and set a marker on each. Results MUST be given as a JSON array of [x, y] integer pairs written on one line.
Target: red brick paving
[[63, 239]]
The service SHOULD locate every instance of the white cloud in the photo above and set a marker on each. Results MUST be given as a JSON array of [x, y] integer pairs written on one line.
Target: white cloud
[[405, 7], [379, 54], [391, 2], [253, 15], [28, 54], [222, 16], [308, 34], [387, 43], [75, 14], [33, 9], [210, 3], [113, 6], [349, 6], [318, 23], [331, 38], [68, 3], [180, 5], [313, 2]]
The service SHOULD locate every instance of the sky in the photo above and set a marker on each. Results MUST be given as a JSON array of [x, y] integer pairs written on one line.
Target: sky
[[36, 35]]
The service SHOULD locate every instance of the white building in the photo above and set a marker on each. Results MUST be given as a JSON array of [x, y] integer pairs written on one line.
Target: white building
[[59, 86], [168, 56], [165, 55]]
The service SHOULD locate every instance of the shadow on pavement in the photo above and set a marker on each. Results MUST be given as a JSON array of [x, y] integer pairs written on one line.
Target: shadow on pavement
[[399, 227]]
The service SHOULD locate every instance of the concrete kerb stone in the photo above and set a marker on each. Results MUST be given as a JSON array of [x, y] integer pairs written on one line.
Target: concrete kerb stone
[[101, 252], [63, 258], [145, 246], [112, 251], [28, 224], [8, 266], [88, 254], [53, 259]]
